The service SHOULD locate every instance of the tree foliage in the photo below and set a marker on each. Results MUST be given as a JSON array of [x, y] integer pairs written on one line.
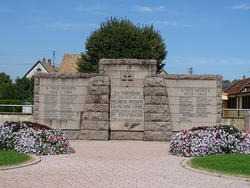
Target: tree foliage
[[122, 39], [22, 89], [5, 84]]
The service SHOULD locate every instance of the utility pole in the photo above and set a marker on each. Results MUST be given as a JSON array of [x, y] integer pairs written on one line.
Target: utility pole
[[54, 58], [190, 70]]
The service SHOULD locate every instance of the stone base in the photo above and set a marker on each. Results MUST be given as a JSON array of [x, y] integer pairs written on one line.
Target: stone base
[[72, 134], [247, 122], [94, 135], [158, 126], [157, 136], [123, 135]]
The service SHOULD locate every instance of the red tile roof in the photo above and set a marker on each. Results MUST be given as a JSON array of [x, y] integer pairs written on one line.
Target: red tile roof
[[239, 87]]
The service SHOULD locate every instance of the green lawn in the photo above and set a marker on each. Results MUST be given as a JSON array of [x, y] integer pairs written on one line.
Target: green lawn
[[9, 158], [229, 164]]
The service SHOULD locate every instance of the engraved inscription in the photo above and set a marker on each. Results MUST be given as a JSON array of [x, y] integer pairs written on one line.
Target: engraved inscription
[[194, 104], [127, 105], [58, 103]]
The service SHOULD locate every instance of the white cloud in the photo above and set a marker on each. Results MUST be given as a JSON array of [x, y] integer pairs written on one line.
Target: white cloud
[[167, 23], [241, 7], [148, 9]]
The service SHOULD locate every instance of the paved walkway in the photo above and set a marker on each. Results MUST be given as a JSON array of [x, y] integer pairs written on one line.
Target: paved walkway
[[113, 164]]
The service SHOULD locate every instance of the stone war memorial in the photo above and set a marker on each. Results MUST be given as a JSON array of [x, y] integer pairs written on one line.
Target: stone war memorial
[[127, 100]]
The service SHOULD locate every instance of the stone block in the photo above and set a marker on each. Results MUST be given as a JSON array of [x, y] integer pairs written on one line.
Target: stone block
[[247, 122], [98, 90], [95, 116], [36, 98], [100, 81], [158, 126], [96, 107], [122, 135], [126, 126], [72, 134], [95, 125], [36, 90], [157, 117], [156, 109], [94, 135], [154, 82], [100, 99], [155, 91], [161, 100], [157, 136]]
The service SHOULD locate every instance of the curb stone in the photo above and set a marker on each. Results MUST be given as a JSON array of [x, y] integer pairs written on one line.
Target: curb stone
[[37, 160], [183, 164]]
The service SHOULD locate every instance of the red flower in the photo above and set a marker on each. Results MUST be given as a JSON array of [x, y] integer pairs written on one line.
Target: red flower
[[45, 134], [218, 135], [187, 137], [244, 140]]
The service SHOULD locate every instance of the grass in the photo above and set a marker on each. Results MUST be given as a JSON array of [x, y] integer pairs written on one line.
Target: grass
[[229, 164], [10, 157]]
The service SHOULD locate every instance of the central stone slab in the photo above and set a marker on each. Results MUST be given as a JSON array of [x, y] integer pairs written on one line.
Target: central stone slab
[[127, 109]]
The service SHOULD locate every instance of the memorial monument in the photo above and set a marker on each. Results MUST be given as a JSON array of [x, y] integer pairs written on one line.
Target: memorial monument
[[126, 100]]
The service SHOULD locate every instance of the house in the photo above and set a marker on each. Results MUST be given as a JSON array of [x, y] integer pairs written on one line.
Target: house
[[41, 66], [163, 72], [237, 97], [68, 63]]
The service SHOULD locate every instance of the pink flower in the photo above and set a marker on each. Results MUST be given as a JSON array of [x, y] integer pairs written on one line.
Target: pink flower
[[45, 134]]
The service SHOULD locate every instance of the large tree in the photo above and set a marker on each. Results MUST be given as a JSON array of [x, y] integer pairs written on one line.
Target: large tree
[[120, 38]]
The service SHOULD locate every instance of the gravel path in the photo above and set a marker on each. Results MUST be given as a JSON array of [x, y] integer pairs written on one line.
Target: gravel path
[[113, 164]]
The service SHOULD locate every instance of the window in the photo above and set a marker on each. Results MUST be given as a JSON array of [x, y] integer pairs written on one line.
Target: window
[[246, 102], [231, 103], [38, 70]]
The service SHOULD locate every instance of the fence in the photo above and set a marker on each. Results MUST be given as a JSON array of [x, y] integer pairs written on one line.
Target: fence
[[235, 113], [26, 109]]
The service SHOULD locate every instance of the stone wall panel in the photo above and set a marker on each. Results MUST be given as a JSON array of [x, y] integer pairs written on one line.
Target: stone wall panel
[[94, 135], [155, 91], [95, 125]]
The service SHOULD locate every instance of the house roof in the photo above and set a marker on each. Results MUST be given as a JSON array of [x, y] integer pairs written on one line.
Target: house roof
[[47, 66], [239, 87], [68, 63], [163, 72]]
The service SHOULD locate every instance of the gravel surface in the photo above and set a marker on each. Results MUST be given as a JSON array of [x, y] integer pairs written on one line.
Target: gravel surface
[[113, 164]]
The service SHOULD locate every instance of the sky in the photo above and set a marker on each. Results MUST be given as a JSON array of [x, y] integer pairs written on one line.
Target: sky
[[212, 36]]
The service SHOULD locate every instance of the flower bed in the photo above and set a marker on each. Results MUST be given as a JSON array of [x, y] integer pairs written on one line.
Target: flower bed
[[202, 141], [33, 138]]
